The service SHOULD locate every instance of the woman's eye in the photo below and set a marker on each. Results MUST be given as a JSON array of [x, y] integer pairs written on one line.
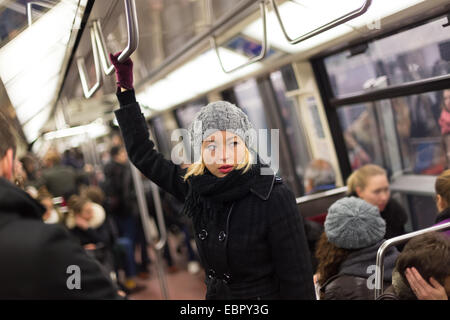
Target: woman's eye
[[211, 147], [234, 143]]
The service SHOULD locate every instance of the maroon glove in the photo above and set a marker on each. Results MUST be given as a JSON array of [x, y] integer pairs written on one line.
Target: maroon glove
[[124, 71]]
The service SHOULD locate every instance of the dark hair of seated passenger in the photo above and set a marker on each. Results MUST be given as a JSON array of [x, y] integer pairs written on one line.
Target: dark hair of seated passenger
[[329, 258], [429, 254], [76, 203]]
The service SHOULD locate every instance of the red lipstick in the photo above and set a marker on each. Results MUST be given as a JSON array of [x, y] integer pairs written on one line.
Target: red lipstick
[[225, 168]]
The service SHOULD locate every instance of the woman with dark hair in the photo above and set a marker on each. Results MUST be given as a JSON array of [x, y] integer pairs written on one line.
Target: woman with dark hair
[[346, 251]]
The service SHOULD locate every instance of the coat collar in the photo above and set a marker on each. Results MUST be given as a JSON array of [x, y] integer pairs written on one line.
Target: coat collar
[[443, 215], [16, 201], [263, 185]]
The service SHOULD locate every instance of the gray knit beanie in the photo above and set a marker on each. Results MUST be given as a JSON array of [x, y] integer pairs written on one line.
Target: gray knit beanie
[[221, 116], [352, 223]]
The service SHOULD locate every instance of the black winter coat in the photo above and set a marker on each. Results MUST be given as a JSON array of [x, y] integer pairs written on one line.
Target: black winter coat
[[256, 249], [35, 256], [355, 275]]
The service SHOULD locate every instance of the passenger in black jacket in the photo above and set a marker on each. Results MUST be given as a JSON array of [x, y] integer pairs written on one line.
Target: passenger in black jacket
[[249, 234], [347, 251], [38, 260]]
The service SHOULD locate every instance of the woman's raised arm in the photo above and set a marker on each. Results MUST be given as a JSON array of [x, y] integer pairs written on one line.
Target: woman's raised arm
[[141, 150]]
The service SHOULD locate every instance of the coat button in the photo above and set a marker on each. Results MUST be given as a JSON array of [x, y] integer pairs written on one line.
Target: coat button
[[226, 278], [211, 273], [203, 234], [222, 235]]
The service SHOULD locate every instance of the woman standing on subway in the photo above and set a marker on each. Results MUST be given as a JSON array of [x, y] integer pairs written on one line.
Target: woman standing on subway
[[249, 233]]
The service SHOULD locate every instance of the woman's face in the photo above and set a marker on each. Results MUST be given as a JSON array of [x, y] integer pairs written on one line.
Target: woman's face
[[222, 152], [87, 212], [376, 191]]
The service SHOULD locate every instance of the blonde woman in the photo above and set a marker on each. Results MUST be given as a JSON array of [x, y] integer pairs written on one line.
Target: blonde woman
[[249, 233], [371, 184]]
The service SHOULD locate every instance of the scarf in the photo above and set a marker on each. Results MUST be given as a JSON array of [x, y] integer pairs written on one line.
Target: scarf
[[209, 194]]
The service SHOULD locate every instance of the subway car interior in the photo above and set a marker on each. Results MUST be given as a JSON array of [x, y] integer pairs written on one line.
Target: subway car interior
[[350, 83]]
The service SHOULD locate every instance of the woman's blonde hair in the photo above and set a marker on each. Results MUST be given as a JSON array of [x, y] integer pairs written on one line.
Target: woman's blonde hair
[[360, 177], [442, 185], [198, 168]]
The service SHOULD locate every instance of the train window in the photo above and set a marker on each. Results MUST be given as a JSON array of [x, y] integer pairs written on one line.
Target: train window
[[395, 58], [289, 80], [13, 18], [359, 128], [249, 99], [161, 136], [412, 134], [288, 109], [185, 114]]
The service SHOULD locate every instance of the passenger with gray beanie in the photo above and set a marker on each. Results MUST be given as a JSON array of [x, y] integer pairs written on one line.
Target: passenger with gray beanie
[[249, 234], [346, 251]]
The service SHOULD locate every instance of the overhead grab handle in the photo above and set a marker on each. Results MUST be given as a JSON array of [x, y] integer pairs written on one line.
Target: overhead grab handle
[[101, 44], [82, 69], [132, 32], [379, 271], [332, 24], [29, 9], [264, 46]]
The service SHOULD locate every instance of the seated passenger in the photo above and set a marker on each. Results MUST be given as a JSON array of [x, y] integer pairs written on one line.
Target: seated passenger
[[354, 231], [442, 189], [319, 176], [38, 260], [371, 184], [422, 269], [87, 224]]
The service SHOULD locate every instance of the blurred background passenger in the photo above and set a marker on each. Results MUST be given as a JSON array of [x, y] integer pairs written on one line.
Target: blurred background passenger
[[353, 233], [87, 223], [422, 270], [121, 205], [371, 184], [444, 123], [319, 176], [51, 214], [35, 256], [60, 180], [442, 189]]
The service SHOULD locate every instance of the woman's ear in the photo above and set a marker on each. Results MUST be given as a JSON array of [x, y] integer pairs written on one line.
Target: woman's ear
[[441, 203], [358, 191]]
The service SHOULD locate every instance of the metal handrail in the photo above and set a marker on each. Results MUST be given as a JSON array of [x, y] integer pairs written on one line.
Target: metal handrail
[[101, 44], [144, 214], [332, 24], [322, 194], [82, 69], [132, 32], [379, 271], [264, 47], [29, 12]]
